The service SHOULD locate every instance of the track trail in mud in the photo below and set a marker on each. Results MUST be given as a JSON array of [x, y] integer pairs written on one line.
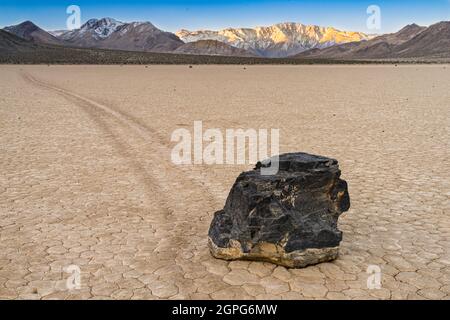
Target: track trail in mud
[[179, 225]]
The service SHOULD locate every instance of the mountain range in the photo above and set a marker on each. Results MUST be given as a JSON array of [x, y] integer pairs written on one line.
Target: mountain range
[[108, 33], [412, 41], [282, 40], [276, 41], [17, 50]]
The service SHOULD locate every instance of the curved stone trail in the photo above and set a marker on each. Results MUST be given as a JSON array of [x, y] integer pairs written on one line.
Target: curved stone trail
[[87, 180]]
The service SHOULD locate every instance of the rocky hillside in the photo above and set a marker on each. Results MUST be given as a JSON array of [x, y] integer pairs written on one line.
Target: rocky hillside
[[10, 43], [212, 47], [412, 41], [31, 32]]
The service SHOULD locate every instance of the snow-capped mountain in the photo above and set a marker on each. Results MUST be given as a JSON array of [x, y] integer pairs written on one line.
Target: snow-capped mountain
[[108, 33], [94, 28], [279, 40]]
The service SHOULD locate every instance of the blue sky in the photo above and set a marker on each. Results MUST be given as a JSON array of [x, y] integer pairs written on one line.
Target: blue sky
[[210, 14]]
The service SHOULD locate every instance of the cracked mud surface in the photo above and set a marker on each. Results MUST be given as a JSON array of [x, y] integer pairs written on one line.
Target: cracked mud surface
[[86, 179]]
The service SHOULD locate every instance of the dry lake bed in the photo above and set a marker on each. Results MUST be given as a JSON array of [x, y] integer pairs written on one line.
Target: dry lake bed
[[92, 207]]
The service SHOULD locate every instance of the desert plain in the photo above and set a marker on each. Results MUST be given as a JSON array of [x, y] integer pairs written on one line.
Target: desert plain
[[87, 179]]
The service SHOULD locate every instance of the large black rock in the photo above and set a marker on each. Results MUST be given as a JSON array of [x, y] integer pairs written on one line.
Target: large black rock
[[289, 218]]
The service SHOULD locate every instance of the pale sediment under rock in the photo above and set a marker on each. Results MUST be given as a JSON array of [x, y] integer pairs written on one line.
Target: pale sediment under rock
[[288, 218]]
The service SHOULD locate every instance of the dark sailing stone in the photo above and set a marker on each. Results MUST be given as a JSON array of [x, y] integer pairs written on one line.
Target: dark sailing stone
[[289, 218]]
